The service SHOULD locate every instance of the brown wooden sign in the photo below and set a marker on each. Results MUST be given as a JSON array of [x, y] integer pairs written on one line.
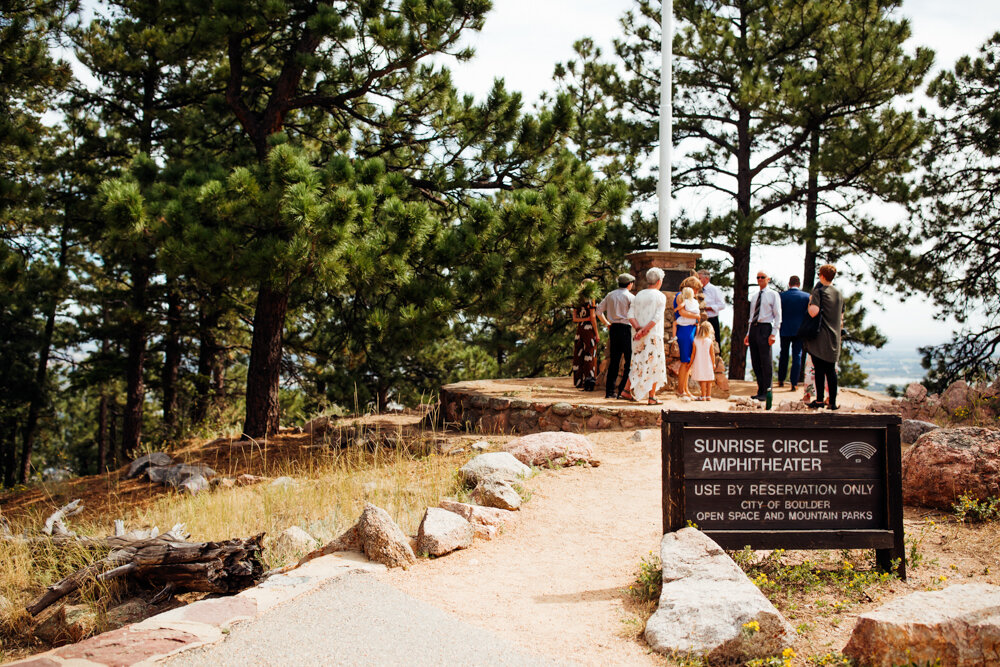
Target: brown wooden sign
[[789, 481]]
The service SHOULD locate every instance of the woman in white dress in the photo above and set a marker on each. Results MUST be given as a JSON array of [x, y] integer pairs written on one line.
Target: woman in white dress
[[649, 364]]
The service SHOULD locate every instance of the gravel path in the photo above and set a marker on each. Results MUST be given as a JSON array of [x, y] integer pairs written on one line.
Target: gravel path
[[555, 580], [358, 620]]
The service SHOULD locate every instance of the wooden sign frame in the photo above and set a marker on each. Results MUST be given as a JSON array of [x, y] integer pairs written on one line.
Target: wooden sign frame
[[886, 540]]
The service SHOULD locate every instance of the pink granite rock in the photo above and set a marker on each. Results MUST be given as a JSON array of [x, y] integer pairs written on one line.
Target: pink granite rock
[[442, 532], [947, 462], [486, 521], [915, 391], [959, 626], [956, 396], [552, 448]]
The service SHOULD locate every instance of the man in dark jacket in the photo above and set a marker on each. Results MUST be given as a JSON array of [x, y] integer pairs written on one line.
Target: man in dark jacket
[[793, 310]]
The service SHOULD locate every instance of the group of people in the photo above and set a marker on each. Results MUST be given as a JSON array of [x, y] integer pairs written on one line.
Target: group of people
[[636, 329], [787, 315]]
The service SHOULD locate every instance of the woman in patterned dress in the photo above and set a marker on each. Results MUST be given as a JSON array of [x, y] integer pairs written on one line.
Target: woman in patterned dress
[[585, 346], [649, 364]]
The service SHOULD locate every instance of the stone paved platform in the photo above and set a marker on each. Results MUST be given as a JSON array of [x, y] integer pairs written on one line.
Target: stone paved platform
[[552, 404]]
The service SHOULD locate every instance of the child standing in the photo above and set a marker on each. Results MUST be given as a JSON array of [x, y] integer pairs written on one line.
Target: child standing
[[703, 360]]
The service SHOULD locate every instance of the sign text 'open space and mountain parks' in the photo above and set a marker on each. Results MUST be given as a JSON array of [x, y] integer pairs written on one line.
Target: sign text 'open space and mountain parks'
[[738, 479], [790, 481]]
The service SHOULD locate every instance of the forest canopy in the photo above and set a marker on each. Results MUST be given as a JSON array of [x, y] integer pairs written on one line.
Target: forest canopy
[[236, 215]]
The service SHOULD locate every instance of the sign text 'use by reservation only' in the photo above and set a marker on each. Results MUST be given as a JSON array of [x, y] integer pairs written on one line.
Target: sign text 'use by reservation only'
[[750, 478]]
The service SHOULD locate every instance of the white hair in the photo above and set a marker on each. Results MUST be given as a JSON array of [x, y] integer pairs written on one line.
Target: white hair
[[654, 275]]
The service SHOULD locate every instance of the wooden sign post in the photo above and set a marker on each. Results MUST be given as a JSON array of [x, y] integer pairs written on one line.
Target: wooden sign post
[[789, 481]]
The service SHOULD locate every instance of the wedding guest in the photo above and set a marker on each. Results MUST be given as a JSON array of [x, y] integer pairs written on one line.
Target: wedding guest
[[649, 364], [765, 322], [613, 312], [827, 303]]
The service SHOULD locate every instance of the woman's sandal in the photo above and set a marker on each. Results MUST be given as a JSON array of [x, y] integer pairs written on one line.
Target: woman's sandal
[[653, 401], [627, 395]]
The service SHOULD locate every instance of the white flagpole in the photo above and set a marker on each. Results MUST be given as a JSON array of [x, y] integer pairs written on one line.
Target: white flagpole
[[666, 125]]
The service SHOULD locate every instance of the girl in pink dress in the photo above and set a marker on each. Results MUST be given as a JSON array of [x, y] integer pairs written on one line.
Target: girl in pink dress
[[703, 360]]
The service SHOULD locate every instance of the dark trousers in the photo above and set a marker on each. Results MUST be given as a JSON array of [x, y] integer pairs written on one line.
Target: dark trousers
[[621, 346], [760, 355], [826, 374], [714, 321], [798, 359]]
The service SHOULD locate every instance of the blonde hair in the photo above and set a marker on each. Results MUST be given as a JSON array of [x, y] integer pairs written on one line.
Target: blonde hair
[[687, 293], [693, 282], [705, 330]]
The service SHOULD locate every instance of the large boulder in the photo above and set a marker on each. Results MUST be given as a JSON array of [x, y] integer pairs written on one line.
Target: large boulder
[[915, 391], [705, 603], [959, 626], [493, 463], [176, 475], [381, 539], [486, 521], [913, 429], [947, 462], [956, 396], [552, 448], [442, 532], [496, 491], [139, 466]]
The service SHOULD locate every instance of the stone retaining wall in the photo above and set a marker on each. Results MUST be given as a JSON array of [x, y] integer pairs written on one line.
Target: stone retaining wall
[[464, 408]]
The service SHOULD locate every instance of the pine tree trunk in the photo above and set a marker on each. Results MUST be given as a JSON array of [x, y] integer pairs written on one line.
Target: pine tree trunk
[[102, 434], [114, 441], [38, 394], [741, 252], [135, 390], [263, 373], [103, 428], [811, 234], [8, 460], [172, 359], [383, 398], [209, 358]]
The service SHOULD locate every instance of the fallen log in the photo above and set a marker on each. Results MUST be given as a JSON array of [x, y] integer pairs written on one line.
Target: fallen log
[[55, 525], [116, 541], [212, 567]]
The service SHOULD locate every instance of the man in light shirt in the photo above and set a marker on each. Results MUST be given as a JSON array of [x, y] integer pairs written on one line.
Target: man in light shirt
[[613, 311], [765, 322], [714, 303]]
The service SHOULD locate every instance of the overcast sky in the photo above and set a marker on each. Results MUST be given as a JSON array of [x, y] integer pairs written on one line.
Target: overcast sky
[[523, 39]]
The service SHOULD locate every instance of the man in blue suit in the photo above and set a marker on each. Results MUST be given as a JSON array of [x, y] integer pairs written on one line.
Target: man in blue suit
[[794, 303]]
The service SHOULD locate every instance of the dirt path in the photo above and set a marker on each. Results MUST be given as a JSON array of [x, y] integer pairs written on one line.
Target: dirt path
[[554, 583]]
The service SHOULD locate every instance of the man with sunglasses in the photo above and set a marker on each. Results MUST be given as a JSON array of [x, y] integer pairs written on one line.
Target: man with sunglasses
[[765, 322]]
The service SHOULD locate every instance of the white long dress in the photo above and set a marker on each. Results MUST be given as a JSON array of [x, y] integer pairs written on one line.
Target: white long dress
[[649, 364]]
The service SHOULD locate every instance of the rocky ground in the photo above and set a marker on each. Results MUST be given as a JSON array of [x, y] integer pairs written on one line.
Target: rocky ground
[[561, 581]]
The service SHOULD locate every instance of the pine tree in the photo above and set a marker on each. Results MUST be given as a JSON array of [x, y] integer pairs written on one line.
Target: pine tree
[[33, 241], [960, 216], [755, 83]]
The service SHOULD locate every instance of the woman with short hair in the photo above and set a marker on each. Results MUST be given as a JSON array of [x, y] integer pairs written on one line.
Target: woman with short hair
[[826, 302], [649, 364]]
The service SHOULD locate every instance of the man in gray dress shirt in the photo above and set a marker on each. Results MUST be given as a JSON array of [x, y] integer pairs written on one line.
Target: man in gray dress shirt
[[613, 311], [765, 322]]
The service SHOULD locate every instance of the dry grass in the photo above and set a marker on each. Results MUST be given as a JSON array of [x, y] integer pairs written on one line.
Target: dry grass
[[396, 469]]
